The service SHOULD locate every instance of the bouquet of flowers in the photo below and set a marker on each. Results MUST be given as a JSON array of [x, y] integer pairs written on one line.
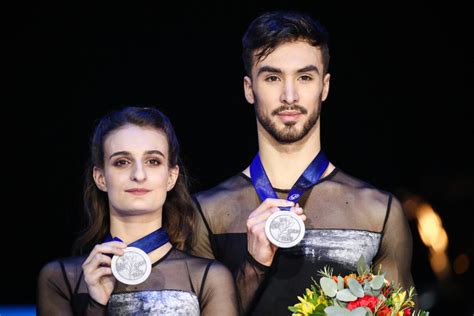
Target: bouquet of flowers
[[357, 294]]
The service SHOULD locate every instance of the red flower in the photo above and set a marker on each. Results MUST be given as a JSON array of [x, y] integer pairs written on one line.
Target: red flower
[[407, 312], [366, 301], [384, 311], [386, 291]]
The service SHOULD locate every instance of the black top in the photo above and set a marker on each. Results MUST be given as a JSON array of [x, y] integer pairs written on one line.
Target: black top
[[179, 284], [346, 218]]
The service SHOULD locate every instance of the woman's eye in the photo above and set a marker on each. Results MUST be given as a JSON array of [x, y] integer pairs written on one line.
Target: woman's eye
[[154, 162], [121, 162]]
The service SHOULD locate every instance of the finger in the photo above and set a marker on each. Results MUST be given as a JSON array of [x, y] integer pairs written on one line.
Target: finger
[[297, 210], [95, 277], [97, 261], [106, 248], [261, 217], [269, 203], [258, 232]]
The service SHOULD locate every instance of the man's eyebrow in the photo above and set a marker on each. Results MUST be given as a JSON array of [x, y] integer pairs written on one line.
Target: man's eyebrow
[[309, 68], [269, 69]]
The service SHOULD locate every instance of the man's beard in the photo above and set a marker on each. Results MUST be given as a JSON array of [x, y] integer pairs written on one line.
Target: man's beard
[[288, 134]]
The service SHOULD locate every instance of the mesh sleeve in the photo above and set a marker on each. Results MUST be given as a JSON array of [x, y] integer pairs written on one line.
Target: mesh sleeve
[[55, 292], [249, 278], [218, 292], [395, 252], [202, 235]]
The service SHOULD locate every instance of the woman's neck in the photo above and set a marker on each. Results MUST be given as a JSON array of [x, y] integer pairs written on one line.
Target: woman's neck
[[132, 228]]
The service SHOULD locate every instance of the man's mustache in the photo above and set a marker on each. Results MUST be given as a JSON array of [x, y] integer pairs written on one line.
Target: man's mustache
[[294, 107]]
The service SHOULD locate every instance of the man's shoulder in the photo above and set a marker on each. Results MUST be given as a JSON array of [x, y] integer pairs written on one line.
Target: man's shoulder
[[231, 187], [363, 191]]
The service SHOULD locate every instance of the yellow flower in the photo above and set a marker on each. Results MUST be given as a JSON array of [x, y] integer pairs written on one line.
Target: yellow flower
[[305, 307], [322, 300], [398, 298]]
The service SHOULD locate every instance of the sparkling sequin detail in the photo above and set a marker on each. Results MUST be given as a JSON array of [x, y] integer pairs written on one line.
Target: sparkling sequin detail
[[164, 302], [338, 245]]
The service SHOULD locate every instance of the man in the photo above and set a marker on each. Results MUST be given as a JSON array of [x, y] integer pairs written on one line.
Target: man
[[286, 57]]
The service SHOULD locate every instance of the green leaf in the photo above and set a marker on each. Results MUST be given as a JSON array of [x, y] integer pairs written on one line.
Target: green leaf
[[377, 282], [346, 296], [367, 288], [320, 308], [340, 283], [355, 287], [361, 266], [360, 311], [329, 286], [293, 309], [336, 311]]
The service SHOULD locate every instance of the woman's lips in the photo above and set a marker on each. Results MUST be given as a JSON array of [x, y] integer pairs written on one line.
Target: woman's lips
[[137, 191]]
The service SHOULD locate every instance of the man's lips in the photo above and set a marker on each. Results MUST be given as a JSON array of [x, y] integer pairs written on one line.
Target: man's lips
[[288, 116]]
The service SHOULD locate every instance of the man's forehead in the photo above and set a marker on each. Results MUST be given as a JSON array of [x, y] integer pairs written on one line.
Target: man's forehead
[[292, 52]]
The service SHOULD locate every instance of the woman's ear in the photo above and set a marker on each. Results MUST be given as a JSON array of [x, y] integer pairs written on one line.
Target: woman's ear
[[172, 177], [99, 178]]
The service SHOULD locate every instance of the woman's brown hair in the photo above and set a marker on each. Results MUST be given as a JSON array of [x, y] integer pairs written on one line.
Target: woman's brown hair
[[178, 212]]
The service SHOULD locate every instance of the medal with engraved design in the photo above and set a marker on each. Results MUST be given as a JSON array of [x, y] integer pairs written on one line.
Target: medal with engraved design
[[133, 267], [284, 229]]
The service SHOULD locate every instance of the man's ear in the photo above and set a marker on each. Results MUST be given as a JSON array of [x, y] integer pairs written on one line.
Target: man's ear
[[172, 177], [99, 178], [248, 91], [326, 81]]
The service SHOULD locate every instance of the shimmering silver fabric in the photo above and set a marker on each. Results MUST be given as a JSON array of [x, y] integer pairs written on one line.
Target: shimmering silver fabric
[[343, 246], [165, 302]]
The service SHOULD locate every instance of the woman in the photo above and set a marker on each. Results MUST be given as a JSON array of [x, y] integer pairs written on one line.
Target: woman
[[135, 195]]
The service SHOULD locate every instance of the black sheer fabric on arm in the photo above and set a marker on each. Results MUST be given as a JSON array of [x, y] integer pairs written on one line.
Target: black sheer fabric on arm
[[179, 284], [346, 219]]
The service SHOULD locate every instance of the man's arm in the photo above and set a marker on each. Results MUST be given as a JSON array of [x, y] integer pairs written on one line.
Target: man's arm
[[202, 234], [395, 253]]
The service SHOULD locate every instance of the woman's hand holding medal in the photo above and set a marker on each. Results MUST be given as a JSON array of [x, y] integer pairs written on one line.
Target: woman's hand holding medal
[[97, 272]]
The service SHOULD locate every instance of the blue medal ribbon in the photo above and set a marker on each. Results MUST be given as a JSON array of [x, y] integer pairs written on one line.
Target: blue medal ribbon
[[148, 243], [310, 177]]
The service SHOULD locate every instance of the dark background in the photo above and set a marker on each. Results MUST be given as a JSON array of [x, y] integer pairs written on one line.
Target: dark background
[[399, 113]]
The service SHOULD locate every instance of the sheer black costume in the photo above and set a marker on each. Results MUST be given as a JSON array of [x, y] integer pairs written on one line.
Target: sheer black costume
[[346, 218], [179, 284]]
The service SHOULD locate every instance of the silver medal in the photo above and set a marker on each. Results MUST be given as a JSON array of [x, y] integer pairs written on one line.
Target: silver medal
[[133, 267], [284, 229]]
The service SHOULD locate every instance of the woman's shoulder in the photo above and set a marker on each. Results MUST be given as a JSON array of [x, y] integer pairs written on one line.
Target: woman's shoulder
[[69, 266]]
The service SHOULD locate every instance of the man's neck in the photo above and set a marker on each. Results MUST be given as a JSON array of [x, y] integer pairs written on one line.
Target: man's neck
[[284, 163]]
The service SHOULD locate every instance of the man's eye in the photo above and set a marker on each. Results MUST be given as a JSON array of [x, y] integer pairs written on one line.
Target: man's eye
[[272, 78], [306, 78]]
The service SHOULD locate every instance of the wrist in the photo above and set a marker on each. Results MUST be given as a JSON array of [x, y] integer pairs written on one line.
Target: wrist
[[262, 265]]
